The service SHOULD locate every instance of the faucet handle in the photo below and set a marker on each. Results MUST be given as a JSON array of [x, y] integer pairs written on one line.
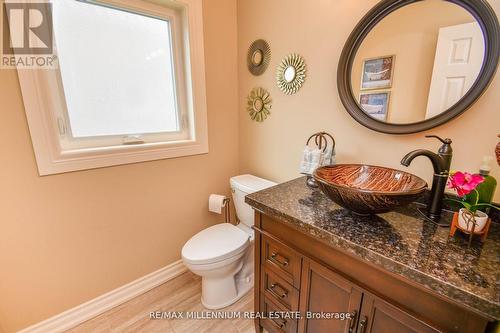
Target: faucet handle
[[445, 149], [446, 141]]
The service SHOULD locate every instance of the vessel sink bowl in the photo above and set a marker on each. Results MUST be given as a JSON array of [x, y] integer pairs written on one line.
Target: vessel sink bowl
[[367, 189]]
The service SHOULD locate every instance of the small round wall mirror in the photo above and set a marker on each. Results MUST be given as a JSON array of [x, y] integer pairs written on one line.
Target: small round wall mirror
[[291, 73], [258, 105], [258, 57], [400, 73]]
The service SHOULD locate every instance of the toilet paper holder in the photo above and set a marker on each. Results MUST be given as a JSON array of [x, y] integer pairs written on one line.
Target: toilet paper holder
[[227, 210]]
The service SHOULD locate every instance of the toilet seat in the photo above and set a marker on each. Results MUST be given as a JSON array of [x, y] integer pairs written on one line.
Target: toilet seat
[[214, 244]]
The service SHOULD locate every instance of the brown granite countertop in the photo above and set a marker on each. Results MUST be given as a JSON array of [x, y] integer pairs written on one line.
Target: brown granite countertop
[[401, 242]]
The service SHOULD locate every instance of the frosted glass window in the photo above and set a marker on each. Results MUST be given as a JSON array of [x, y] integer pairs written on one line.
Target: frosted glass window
[[116, 69]]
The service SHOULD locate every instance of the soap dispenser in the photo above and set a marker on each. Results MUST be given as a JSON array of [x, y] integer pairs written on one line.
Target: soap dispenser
[[487, 188]]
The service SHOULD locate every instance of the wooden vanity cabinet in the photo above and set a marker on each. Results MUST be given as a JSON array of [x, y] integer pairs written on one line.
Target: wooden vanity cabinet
[[298, 273]]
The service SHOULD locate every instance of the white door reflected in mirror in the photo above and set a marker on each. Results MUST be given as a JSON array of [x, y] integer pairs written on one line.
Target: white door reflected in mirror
[[458, 60], [289, 74]]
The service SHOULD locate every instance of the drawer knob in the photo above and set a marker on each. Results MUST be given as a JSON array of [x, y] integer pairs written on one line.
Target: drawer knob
[[274, 257]]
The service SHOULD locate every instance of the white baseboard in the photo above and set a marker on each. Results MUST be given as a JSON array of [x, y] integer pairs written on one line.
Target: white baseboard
[[81, 313]]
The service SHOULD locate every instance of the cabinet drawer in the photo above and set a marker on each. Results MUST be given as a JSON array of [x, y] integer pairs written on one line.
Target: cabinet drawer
[[274, 322], [278, 289], [282, 259]]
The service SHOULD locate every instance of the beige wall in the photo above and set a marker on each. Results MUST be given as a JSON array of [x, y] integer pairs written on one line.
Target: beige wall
[[317, 30], [412, 40], [65, 239]]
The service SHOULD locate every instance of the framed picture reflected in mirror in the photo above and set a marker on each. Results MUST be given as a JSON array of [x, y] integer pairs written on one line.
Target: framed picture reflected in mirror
[[375, 104], [377, 73]]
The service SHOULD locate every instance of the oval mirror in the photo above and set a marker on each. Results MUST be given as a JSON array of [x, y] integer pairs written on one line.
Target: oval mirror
[[413, 65], [258, 104], [257, 57], [289, 74]]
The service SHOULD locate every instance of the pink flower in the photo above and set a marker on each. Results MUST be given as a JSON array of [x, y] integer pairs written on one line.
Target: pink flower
[[464, 182]]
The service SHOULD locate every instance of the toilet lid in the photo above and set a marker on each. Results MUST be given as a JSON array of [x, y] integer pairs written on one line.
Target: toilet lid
[[214, 244]]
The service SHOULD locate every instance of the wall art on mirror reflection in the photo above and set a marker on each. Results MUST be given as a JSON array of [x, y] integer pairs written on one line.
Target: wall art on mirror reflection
[[259, 104], [258, 57], [291, 74], [375, 104], [377, 73]]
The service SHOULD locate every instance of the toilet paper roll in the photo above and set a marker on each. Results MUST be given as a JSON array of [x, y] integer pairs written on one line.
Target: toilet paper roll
[[216, 203]]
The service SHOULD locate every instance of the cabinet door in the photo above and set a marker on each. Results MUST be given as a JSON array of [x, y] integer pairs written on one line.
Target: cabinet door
[[325, 292], [378, 316]]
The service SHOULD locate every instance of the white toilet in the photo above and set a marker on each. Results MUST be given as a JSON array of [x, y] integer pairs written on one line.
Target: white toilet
[[223, 254]]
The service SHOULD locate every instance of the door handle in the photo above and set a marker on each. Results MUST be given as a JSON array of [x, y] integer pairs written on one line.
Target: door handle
[[362, 324], [352, 320]]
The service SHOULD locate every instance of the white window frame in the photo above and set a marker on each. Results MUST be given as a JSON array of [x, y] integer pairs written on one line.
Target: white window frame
[[42, 93]]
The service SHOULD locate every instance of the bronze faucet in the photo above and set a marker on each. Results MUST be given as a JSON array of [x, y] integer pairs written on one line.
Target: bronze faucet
[[441, 163]]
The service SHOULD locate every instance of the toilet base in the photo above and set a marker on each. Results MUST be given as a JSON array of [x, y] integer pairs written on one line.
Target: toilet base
[[234, 290]]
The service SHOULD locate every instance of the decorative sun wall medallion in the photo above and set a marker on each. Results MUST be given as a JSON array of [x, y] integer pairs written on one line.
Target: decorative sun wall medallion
[[291, 73], [258, 57], [259, 104]]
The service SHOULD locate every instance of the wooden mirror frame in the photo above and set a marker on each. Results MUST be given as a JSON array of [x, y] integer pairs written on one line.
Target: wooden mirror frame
[[484, 15]]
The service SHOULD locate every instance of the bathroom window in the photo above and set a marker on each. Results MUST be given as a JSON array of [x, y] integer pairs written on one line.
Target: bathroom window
[[128, 86]]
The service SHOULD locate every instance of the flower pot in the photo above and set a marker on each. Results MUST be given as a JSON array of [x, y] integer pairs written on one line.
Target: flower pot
[[480, 218]]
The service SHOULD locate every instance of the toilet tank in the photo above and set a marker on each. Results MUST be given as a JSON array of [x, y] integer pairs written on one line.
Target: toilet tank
[[240, 187]]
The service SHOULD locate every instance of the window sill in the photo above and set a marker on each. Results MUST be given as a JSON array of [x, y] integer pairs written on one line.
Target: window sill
[[83, 159]]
